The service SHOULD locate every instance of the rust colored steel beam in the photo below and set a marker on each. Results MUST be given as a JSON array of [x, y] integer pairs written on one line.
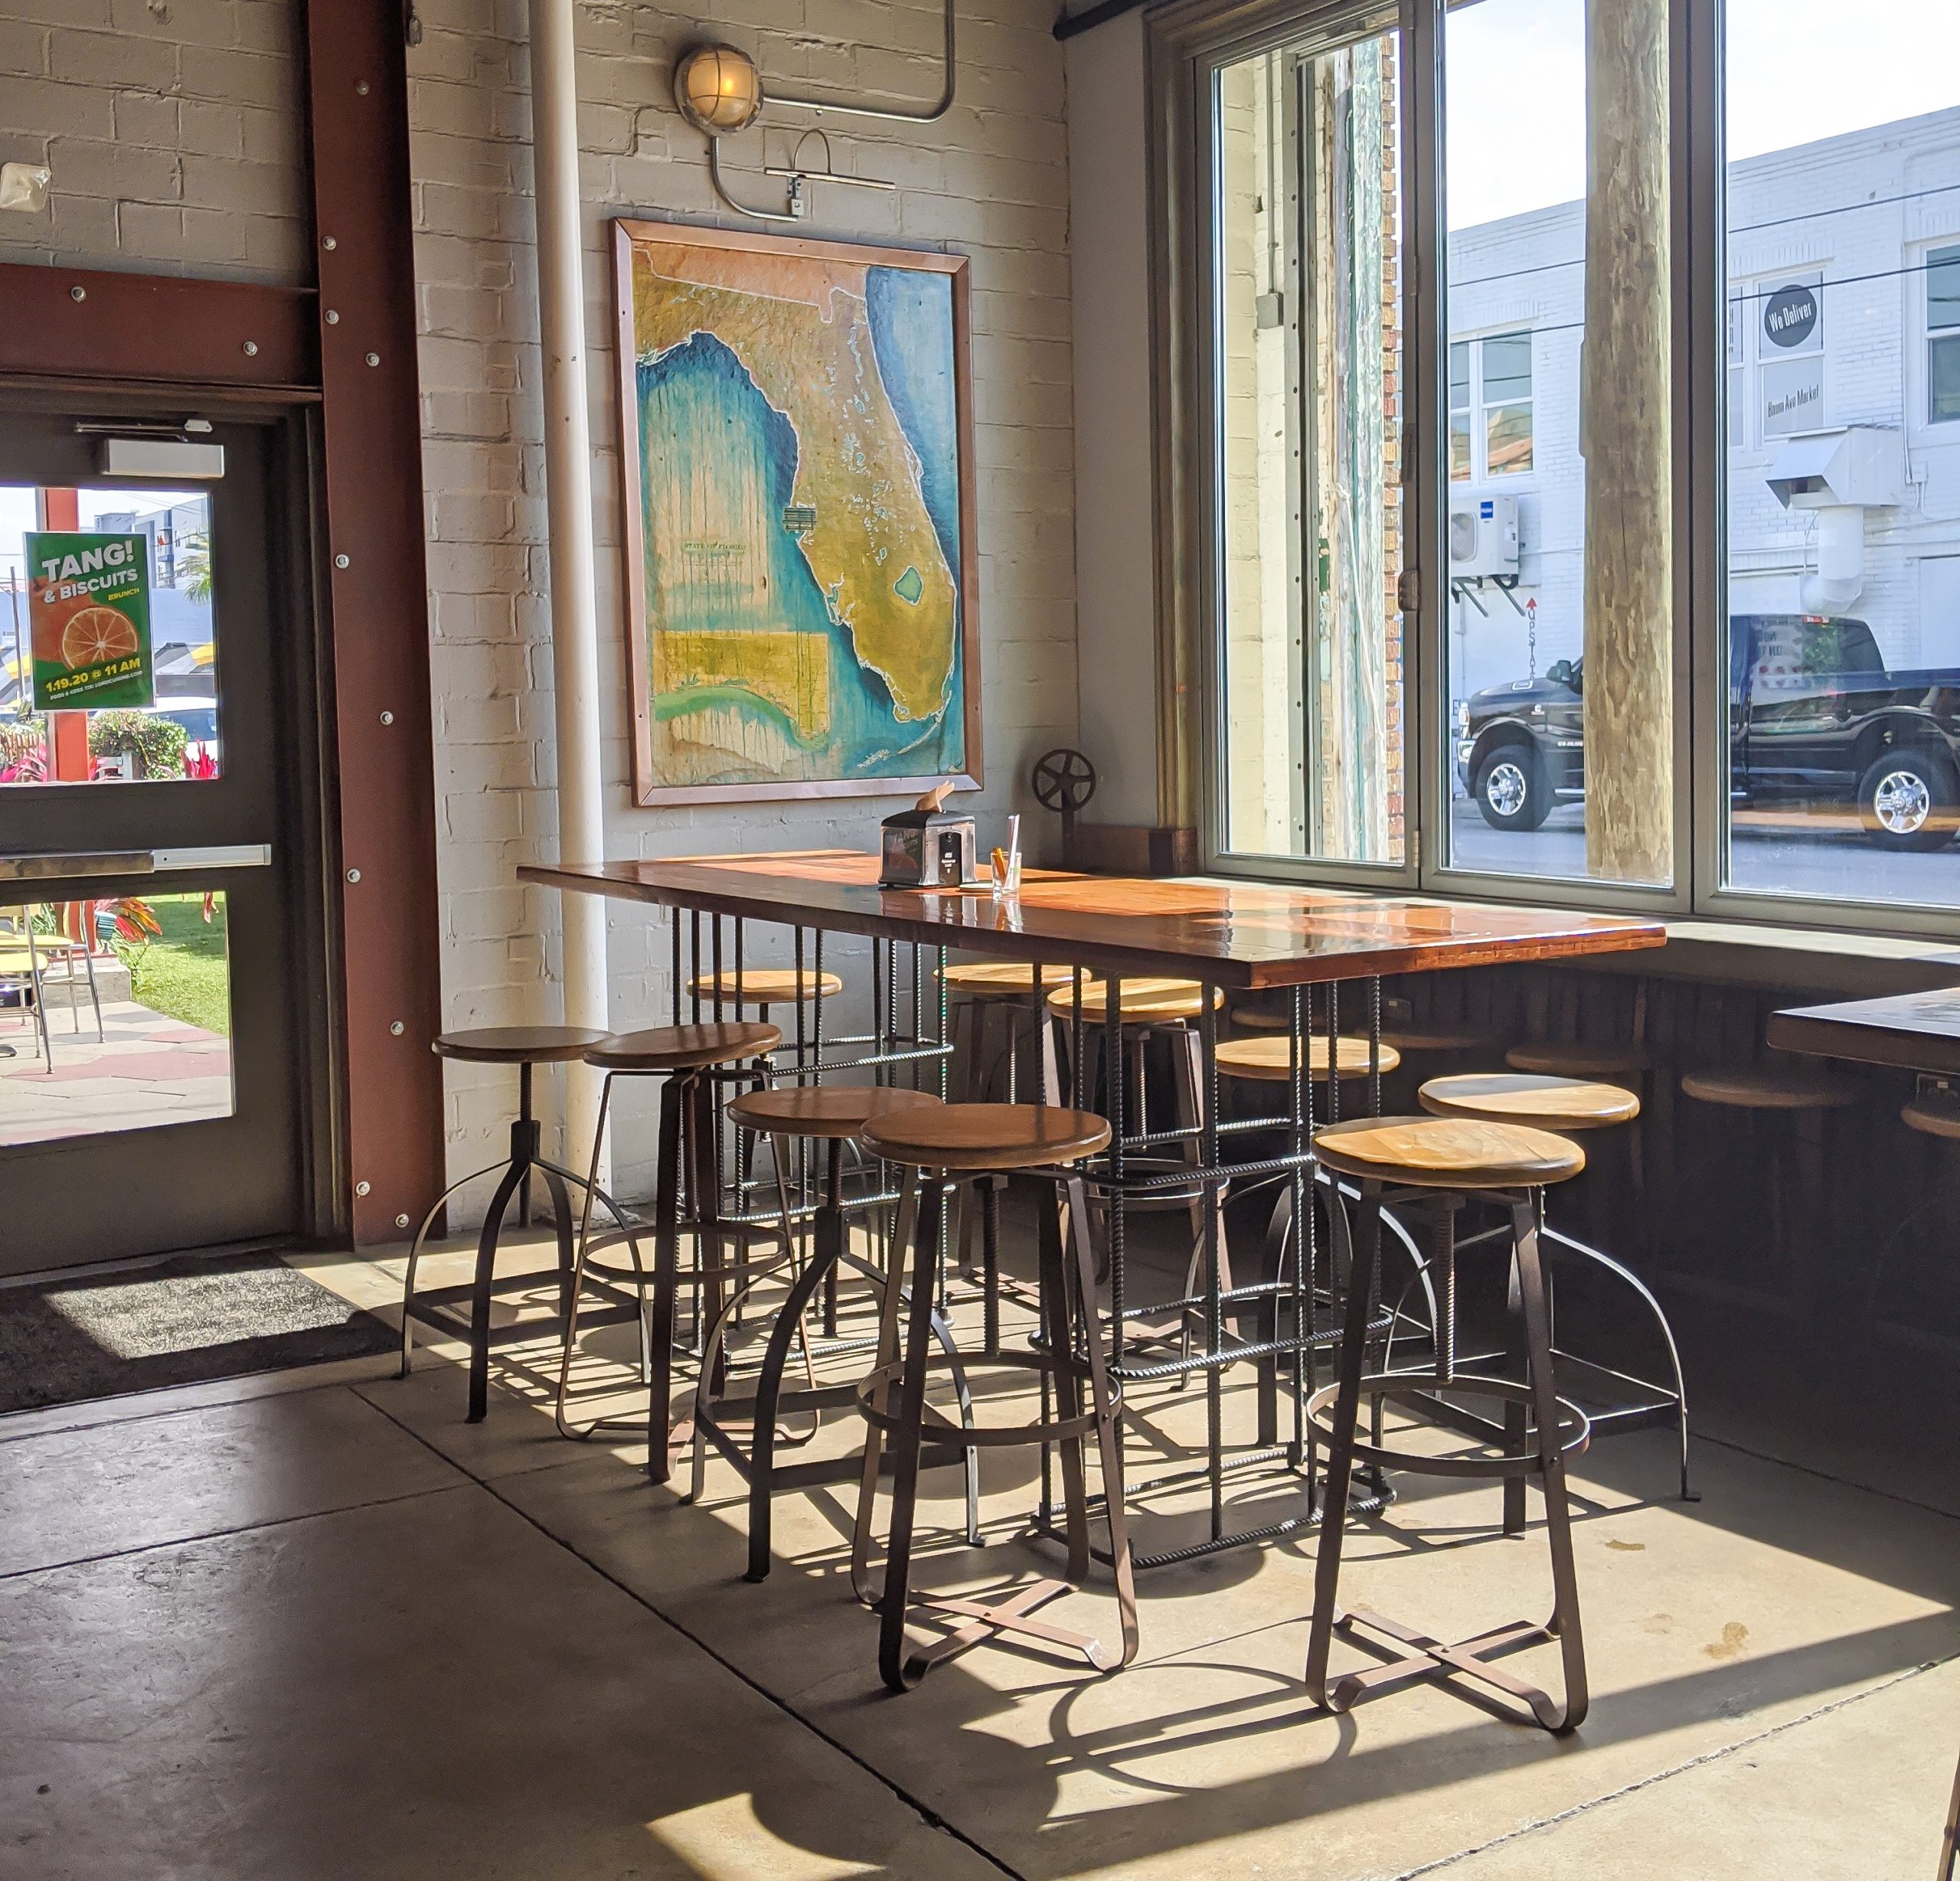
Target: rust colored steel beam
[[81, 323], [377, 577]]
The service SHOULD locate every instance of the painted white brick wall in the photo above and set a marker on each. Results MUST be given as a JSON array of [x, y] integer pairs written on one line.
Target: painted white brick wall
[[990, 180], [174, 129]]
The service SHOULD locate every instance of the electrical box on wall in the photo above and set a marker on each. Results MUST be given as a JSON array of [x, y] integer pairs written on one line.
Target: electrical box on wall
[[1483, 537]]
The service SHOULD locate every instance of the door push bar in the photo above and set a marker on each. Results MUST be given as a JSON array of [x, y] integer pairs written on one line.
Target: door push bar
[[69, 865]]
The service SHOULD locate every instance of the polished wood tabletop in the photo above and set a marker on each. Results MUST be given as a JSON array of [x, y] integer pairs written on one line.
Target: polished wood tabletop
[[1915, 1031], [1239, 934]]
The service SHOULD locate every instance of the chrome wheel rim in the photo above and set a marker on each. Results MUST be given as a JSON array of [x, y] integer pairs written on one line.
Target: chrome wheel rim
[[1505, 788], [1902, 802]]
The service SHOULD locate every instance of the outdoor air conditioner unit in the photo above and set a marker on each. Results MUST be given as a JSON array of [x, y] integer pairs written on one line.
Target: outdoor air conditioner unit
[[1483, 537]]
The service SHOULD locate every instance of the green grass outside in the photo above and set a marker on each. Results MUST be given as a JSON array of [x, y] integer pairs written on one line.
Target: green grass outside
[[182, 972]]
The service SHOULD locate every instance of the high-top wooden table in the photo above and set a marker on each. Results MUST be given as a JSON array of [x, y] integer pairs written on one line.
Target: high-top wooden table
[[1236, 936], [1911, 1032]]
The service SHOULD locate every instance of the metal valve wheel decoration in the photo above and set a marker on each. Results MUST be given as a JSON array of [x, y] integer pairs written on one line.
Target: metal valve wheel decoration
[[1064, 780]]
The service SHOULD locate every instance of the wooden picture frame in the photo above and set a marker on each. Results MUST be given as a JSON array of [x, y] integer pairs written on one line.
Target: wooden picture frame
[[651, 787]]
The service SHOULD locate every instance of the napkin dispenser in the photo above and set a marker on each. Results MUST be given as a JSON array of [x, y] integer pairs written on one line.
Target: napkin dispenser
[[926, 847]]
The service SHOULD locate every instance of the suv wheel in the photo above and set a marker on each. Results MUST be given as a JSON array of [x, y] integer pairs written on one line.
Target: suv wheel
[[1906, 800], [1511, 790]]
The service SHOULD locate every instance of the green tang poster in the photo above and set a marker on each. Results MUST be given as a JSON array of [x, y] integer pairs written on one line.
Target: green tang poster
[[89, 603]]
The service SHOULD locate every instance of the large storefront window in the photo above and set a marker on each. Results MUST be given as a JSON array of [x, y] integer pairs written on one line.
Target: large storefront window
[[1842, 466], [1549, 776], [1663, 426], [1307, 371]]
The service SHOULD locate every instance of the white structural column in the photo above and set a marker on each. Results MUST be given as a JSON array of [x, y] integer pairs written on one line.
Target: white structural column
[[568, 481]]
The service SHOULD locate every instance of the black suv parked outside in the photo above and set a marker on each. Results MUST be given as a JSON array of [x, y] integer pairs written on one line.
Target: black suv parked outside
[[1814, 719]]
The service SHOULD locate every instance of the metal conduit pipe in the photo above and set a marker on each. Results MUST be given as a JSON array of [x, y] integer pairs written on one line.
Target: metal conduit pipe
[[926, 114], [568, 484]]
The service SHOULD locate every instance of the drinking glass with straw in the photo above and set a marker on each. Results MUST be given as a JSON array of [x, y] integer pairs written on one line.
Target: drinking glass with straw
[[1007, 862]]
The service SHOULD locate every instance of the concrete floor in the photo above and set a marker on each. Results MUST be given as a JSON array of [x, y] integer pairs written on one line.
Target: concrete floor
[[338, 1632]]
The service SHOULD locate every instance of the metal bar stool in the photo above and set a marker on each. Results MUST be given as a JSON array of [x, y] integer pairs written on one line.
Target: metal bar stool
[[1806, 1094], [1034, 1140], [1268, 1059], [1433, 1165], [981, 991], [1562, 1104], [832, 1115], [1148, 1009], [1628, 1058], [523, 1046], [683, 1055]]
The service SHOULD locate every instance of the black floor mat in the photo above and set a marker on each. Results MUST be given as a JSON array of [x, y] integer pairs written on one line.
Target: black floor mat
[[179, 1322]]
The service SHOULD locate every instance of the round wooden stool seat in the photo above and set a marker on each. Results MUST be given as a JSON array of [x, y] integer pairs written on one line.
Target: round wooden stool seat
[[1270, 1059], [1772, 1087], [985, 1136], [767, 986], [1141, 1001], [1447, 1153], [682, 1047], [1003, 979], [1578, 1058], [1935, 1115], [1545, 1103], [823, 1112], [518, 1044], [1261, 1018], [1418, 1038]]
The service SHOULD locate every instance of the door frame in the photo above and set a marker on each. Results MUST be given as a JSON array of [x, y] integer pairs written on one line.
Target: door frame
[[355, 472]]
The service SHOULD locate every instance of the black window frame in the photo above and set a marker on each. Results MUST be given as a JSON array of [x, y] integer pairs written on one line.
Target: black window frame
[[1183, 47]]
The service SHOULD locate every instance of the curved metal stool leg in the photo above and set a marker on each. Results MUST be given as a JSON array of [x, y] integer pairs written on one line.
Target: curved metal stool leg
[[1949, 1847], [626, 1224], [889, 1302], [789, 1326], [566, 1427], [480, 1295], [415, 1256], [769, 1385], [943, 1333], [1640, 1286], [1108, 1425]]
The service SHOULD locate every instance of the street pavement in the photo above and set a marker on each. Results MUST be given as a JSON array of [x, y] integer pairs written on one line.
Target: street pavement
[[1836, 864]]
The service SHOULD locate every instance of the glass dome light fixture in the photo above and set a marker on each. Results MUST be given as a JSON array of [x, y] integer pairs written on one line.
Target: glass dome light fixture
[[718, 89]]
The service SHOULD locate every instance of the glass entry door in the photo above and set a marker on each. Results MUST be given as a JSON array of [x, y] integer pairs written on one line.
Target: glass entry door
[[158, 1013]]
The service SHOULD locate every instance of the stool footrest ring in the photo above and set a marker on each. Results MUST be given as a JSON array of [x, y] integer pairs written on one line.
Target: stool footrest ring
[[1575, 1427], [934, 1423]]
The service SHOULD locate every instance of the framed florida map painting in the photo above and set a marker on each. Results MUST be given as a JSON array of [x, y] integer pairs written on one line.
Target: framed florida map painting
[[798, 479]]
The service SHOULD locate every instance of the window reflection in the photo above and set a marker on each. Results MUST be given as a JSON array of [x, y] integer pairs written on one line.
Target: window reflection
[[1307, 299], [1843, 459]]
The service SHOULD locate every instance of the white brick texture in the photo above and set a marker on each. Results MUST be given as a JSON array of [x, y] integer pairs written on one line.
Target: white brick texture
[[175, 131], [990, 181]]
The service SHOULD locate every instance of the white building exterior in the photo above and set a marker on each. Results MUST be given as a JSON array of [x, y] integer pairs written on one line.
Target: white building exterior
[[1829, 250]]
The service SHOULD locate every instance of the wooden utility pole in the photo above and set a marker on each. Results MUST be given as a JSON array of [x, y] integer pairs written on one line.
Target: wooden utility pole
[[1628, 439]]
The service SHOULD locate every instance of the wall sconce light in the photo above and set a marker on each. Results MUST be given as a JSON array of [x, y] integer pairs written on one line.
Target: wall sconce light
[[718, 89]]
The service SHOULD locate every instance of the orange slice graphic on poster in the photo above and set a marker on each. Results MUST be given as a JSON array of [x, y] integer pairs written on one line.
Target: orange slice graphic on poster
[[97, 634]]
